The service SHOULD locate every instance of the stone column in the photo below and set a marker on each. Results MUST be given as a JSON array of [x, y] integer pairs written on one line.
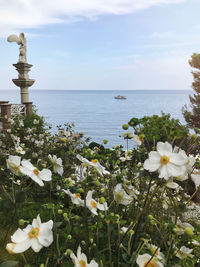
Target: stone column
[[29, 107], [23, 80], [5, 115]]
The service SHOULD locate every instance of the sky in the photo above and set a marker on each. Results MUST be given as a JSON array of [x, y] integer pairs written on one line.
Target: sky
[[101, 44]]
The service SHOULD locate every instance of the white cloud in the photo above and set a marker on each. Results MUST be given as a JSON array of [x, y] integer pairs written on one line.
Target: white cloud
[[25, 14], [162, 35]]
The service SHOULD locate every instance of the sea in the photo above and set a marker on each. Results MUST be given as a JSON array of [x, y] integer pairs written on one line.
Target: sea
[[97, 113]]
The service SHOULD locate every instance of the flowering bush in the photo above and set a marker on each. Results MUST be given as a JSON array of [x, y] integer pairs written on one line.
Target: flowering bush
[[73, 205]]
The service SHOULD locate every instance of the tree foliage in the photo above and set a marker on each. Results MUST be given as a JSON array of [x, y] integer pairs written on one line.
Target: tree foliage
[[192, 116]]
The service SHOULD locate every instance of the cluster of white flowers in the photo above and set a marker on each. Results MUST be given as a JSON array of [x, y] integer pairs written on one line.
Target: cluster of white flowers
[[91, 204]]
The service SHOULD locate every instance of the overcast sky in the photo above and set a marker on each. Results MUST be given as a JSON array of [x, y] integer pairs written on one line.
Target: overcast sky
[[101, 44]]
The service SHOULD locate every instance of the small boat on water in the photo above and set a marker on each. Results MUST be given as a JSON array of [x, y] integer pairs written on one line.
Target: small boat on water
[[120, 97]]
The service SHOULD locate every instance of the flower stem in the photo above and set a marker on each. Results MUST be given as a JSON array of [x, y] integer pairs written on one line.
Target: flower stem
[[24, 258], [109, 244]]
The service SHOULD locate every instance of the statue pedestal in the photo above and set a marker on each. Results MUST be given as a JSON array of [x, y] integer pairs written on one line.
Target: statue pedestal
[[23, 80]]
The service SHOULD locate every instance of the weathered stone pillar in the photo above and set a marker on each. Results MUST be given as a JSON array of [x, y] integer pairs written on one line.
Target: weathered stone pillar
[[5, 115], [29, 107], [23, 80]]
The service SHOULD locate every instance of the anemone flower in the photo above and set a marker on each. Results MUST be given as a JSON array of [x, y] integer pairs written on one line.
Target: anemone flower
[[36, 236], [93, 205], [57, 164], [166, 161], [81, 260], [37, 176]]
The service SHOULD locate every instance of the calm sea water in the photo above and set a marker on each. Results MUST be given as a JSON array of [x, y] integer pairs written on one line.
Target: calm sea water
[[97, 114]]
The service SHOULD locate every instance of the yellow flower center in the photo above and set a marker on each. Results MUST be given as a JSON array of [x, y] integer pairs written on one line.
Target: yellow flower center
[[164, 160], [93, 204], [34, 232], [94, 161], [82, 263], [36, 172], [150, 264], [78, 195]]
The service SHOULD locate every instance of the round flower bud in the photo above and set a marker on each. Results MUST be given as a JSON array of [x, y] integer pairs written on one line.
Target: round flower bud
[[153, 222], [69, 237], [105, 141], [102, 200], [80, 190], [21, 222], [77, 218], [63, 139], [83, 243], [42, 265], [60, 211], [68, 252], [150, 217], [131, 232], [91, 240], [189, 231], [97, 183], [125, 126], [65, 215]]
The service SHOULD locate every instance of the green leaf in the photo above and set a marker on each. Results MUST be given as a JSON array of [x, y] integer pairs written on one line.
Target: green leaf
[[9, 264]]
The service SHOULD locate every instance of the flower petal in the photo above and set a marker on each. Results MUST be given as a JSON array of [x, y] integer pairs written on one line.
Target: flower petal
[[45, 175], [27, 164], [151, 166], [36, 179], [19, 236], [164, 148], [178, 159], [36, 246], [23, 246]]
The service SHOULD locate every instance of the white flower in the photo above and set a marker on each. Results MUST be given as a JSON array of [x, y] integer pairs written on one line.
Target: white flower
[[76, 198], [184, 252], [19, 149], [93, 163], [124, 229], [93, 205], [80, 172], [190, 161], [57, 164], [158, 254], [36, 236], [120, 195], [142, 260], [171, 184], [11, 121], [165, 161], [195, 176], [38, 176], [13, 163], [39, 143], [36, 121], [81, 260], [138, 139], [21, 123], [127, 156]]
